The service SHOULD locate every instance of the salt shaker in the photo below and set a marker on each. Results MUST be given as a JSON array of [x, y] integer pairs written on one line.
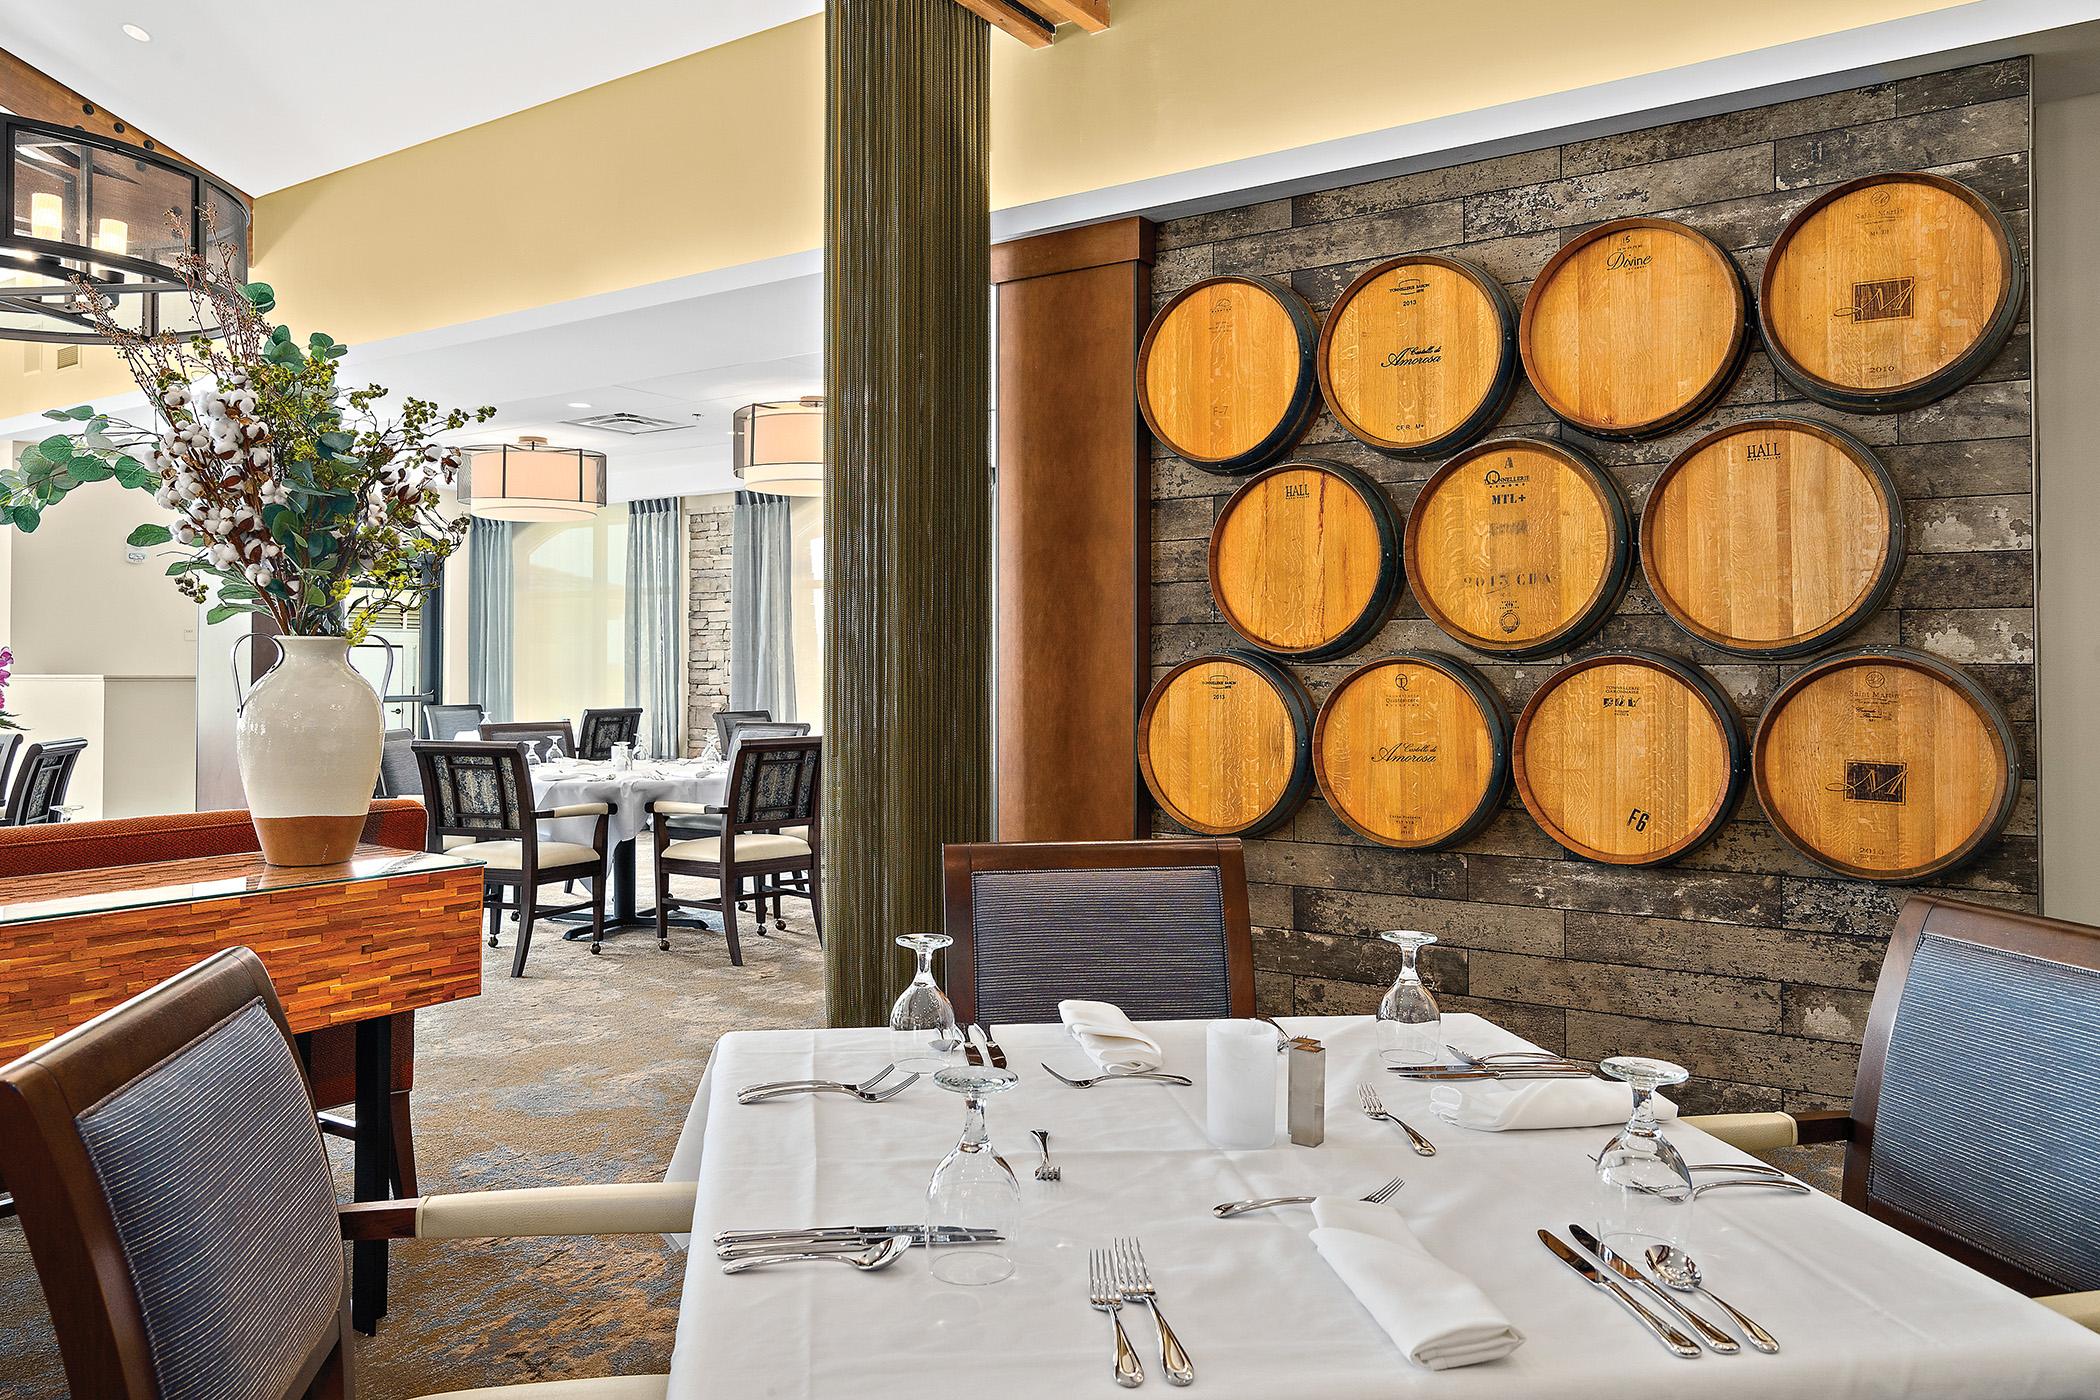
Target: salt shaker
[[1307, 1094]]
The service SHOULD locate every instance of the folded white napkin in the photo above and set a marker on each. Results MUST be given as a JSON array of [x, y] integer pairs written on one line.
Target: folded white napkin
[[1501, 1106], [1109, 1037], [1437, 1316]]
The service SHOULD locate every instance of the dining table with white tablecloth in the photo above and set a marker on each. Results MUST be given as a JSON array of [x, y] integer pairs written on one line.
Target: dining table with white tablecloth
[[1859, 1308], [630, 790]]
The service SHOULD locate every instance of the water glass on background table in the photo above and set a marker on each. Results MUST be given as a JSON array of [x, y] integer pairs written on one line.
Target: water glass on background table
[[923, 1036], [1410, 1026], [1644, 1188], [973, 1188]]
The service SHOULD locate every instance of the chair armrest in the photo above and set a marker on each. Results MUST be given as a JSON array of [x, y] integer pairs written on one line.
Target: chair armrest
[[668, 808], [1765, 1132], [613, 1208], [2081, 1308], [578, 809]]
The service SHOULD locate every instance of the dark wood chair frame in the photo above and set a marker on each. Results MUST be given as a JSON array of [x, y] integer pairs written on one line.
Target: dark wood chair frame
[[518, 731], [726, 722], [960, 862], [520, 825], [59, 754], [628, 721], [767, 876]]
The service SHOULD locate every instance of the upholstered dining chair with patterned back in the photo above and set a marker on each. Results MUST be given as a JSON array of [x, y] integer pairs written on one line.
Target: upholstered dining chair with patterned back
[[773, 784], [479, 800], [550, 737], [38, 794], [452, 721], [182, 1214], [1157, 927], [727, 720], [601, 729], [1973, 1124]]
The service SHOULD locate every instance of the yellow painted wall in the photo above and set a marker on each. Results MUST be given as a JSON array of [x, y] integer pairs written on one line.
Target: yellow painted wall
[[717, 159]]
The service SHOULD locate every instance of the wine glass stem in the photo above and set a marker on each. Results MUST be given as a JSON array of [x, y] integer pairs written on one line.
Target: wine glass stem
[[1642, 1123], [924, 971], [974, 1136], [1407, 964]]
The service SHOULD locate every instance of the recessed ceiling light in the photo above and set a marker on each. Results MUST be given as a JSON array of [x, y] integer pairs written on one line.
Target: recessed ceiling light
[[579, 405], [137, 33]]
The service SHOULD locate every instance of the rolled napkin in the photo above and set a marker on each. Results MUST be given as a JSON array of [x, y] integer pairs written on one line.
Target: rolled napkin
[[1109, 1037], [1512, 1104], [1437, 1316]]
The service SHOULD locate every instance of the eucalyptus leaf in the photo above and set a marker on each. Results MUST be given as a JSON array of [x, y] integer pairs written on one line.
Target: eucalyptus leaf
[[146, 535], [222, 612], [26, 518], [56, 448], [89, 469]]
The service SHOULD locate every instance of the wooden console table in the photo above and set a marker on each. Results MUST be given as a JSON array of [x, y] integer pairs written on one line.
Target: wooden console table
[[382, 934]]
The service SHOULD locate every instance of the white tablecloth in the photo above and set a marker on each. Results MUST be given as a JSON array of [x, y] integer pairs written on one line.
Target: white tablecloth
[[632, 791], [1860, 1310]]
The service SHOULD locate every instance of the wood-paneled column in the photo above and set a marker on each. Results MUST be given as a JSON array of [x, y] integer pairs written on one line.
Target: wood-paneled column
[[907, 589]]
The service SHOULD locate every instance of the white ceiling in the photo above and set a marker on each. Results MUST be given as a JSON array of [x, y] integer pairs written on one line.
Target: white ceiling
[[267, 93]]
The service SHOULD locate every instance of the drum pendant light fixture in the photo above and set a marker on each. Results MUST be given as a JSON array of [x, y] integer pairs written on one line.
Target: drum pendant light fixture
[[120, 217], [528, 480], [779, 447]]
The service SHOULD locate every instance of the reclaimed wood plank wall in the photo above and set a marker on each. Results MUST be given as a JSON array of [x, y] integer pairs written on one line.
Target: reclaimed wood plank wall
[[1746, 962]]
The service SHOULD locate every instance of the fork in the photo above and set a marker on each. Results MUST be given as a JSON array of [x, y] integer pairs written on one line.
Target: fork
[[1134, 1282], [1104, 1297], [759, 1093], [1374, 1107], [869, 1083], [1232, 1208], [1089, 1083], [1043, 1170]]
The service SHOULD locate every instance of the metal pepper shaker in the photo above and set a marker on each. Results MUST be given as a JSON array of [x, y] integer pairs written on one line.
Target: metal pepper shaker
[[1305, 1091]]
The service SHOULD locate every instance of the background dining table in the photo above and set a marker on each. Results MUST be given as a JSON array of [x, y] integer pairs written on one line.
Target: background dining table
[[563, 782], [1859, 1309]]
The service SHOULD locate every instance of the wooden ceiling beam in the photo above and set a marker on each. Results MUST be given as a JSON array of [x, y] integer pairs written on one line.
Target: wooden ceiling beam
[[1090, 15], [30, 92], [1015, 19]]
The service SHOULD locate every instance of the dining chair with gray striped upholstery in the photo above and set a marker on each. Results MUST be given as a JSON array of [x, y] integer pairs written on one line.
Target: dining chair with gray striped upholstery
[[1157, 927]]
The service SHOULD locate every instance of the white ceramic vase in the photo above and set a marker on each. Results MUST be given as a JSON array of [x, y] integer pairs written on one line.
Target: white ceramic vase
[[309, 742]]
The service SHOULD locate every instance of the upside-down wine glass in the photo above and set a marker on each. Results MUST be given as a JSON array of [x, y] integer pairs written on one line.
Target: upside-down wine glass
[[923, 1037], [1644, 1194], [973, 1188], [1410, 1027]]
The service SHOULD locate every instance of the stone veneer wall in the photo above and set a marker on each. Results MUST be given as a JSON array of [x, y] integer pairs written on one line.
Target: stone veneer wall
[[1746, 962], [707, 535]]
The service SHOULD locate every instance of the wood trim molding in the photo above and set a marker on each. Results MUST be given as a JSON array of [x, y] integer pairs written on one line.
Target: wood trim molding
[[1090, 15], [1132, 240], [30, 92], [1012, 18]]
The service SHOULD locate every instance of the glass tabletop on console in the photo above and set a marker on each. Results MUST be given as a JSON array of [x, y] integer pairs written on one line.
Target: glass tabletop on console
[[71, 893]]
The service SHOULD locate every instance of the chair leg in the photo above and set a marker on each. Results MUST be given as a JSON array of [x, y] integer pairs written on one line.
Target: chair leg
[[729, 908], [816, 896], [404, 1148], [597, 912], [493, 911], [528, 905]]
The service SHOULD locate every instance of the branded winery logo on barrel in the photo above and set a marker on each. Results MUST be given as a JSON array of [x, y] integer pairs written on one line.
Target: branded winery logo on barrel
[[1408, 355], [1873, 781], [1890, 299]]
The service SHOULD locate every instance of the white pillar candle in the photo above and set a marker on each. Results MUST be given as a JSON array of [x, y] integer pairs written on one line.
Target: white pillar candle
[[1240, 1076]]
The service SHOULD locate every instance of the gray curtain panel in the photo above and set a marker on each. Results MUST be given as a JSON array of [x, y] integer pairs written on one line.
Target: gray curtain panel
[[491, 613], [655, 565], [761, 606]]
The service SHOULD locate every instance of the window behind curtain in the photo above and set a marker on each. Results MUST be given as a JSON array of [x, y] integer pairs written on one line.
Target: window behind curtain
[[571, 616]]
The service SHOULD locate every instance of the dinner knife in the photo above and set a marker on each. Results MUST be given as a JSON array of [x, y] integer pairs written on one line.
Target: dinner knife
[[991, 1046], [1669, 1336], [847, 1245], [1713, 1336], [841, 1232]]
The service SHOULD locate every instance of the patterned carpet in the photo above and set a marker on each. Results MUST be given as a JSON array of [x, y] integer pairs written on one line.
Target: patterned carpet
[[580, 1071]]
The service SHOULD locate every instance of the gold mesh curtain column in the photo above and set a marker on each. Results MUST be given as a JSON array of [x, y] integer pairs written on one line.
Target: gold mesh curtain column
[[907, 531]]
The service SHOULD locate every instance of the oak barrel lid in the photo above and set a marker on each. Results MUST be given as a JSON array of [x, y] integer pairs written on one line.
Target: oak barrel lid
[[1890, 291], [1630, 758], [1305, 559], [1884, 763], [1518, 547], [1412, 750], [1225, 373], [1418, 356], [1634, 327], [1773, 536], [1225, 743]]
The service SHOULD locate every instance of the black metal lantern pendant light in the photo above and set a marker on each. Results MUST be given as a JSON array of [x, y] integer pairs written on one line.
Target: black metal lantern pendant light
[[115, 215]]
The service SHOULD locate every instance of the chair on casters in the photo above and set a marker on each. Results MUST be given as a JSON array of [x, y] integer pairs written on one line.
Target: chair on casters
[[772, 785], [601, 729], [39, 792], [483, 793], [1972, 1124], [179, 1204], [1158, 927]]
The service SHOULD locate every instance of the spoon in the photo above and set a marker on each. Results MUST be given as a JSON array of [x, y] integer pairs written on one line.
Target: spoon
[[1680, 1271], [868, 1261]]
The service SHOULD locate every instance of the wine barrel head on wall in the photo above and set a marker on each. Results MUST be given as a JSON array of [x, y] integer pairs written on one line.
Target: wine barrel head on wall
[[1746, 958], [1413, 751], [1891, 291], [1225, 373], [1225, 743], [1305, 560]]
